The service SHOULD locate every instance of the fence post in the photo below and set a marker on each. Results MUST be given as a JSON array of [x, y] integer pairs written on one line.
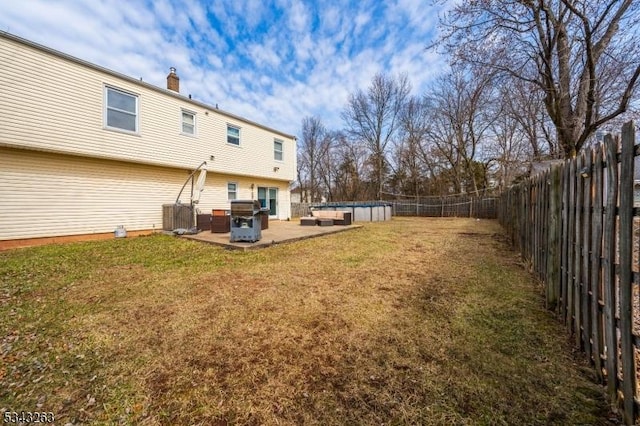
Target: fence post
[[625, 241], [524, 219], [543, 199], [564, 283], [555, 223], [608, 259], [571, 252], [596, 264], [577, 249], [541, 223], [585, 308]]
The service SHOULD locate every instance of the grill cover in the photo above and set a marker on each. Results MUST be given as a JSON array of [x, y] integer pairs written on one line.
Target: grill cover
[[245, 207]]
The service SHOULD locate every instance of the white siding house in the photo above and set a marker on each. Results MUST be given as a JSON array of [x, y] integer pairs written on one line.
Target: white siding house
[[84, 149]]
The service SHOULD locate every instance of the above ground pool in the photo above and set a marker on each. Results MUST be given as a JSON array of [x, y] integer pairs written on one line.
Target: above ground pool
[[361, 212]]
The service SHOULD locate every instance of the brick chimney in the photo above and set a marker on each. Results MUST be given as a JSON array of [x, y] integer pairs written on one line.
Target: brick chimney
[[173, 81]]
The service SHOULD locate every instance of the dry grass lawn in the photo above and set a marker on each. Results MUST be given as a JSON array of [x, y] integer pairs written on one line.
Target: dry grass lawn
[[413, 321]]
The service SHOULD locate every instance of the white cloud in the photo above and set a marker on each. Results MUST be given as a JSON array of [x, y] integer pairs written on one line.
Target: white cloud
[[264, 55], [361, 20], [419, 16], [214, 60], [164, 11], [273, 62], [332, 18], [298, 17]]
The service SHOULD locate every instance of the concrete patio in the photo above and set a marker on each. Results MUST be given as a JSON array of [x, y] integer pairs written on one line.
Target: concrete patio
[[278, 232]]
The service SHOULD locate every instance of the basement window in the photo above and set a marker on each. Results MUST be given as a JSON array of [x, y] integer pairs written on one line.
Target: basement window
[[121, 110]]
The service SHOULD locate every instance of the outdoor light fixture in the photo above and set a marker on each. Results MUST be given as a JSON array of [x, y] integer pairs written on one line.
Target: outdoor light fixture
[[585, 172], [212, 157], [275, 169]]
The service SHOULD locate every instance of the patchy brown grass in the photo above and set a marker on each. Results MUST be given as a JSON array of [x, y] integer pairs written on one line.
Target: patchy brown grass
[[413, 321]]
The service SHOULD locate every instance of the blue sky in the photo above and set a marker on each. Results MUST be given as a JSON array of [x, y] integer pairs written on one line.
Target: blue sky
[[273, 62]]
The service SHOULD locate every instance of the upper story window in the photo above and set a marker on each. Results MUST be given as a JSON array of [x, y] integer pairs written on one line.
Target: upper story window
[[277, 150], [233, 135], [188, 123], [232, 190], [121, 110]]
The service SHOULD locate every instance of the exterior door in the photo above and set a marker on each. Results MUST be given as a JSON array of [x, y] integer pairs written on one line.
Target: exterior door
[[273, 202], [268, 197]]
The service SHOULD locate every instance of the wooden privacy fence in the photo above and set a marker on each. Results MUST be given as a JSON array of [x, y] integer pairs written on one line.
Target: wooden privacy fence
[[577, 227], [301, 209], [483, 207]]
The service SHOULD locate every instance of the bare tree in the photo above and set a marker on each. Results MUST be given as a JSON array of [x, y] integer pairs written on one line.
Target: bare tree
[[350, 161], [510, 149], [460, 117], [313, 147], [580, 54], [409, 168], [520, 101], [373, 118], [329, 164]]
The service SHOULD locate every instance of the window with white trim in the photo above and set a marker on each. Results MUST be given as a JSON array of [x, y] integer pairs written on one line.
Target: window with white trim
[[278, 150], [188, 123], [121, 110], [233, 135], [232, 190]]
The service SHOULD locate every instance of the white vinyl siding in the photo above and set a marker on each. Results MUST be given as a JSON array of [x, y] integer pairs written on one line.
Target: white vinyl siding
[[62, 173], [188, 123], [278, 150], [55, 104], [46, 195], [53, 195], [121, 110], [58, 105]]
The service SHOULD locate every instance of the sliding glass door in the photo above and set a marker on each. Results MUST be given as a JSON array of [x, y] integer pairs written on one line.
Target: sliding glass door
[[268, 197]]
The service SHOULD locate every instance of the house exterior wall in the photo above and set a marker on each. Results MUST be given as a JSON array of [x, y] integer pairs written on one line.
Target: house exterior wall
[[62, 172], [56, 103], [215, 195], [46, 194]]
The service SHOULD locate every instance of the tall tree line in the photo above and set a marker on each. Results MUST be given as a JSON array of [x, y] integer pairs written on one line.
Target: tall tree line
[[394, 143]]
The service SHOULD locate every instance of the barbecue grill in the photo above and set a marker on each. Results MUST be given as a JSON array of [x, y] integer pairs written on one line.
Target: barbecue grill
[[245, 221]]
